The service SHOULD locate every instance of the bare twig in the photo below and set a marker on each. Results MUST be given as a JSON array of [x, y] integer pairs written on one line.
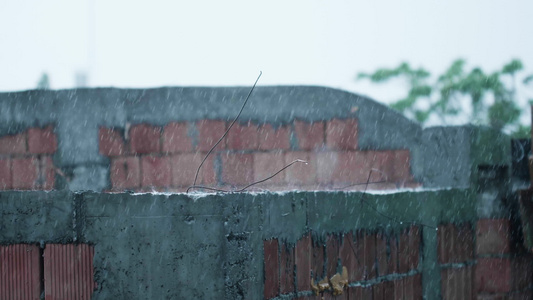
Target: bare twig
[[360, 183], [251, 184], [269, 177], [227, 130], [368, 181]]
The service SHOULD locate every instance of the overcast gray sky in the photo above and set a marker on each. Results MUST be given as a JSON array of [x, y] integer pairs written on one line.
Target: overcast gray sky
[[159, 43]]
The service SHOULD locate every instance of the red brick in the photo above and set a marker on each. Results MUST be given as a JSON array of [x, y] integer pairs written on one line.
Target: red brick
[[383, 290], [370, 256], [303, 263], [271, 268], [145, 138], [360, 254], [242, 137], [493, 275], [413, 287], [458, 252], [411, 184], [309, 135], [125, 173], [492, 236], [47, 173], [450, 244], [68, 271], [327, 165], [468, 283], [414, 247], [25, 173], [448, 283], [523, 295], [350, 251], [271, 138], [403, 252], [266, 165], [5, 174], [317, 261], [332, 254], [382, 165], [184, 168], [301, 173], [379, 291], [286, 269], [42, 140], [237, 168], [347, 168], [111, 142], [453, 244], [398, 289], [359, 292], [401, 171], [388, 290], [443, 238], [393, 256], [309, 297], [155, 171], [20, 271], [492, 297], [456, 283], [522, 272], [342, 134], [329, 296], [13, 144], [381, 253], [209, 132], [465, 241], [176, 138]]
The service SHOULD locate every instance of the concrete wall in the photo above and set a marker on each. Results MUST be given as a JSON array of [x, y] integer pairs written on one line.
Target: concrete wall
[[150, 246]]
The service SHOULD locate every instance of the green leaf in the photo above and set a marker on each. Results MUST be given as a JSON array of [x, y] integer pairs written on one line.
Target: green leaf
[[522, 132], [44, 82], [502, 113], [403, 104], [454, 71], [422, 116], [381, 75], [420, 91], [512, 67], [528, 79]]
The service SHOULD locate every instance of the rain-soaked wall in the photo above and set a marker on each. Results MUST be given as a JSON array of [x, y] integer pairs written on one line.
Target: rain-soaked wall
[[250, 245], [401, 245]]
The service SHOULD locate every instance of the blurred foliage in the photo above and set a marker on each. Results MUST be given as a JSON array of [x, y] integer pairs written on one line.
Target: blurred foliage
[[44, 82], [491, 96]]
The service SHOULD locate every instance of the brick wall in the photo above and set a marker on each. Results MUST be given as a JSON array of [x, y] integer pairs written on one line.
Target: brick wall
[[486, 268], [380, 265], [504, 270], [26, 160], [455, 252], [55, 271], [474, 263], [162, 149], [146, 157]]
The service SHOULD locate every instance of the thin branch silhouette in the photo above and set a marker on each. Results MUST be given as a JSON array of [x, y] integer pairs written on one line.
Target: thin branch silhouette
[[368, 181], [251, 184], [360, 183], [227, 130]]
